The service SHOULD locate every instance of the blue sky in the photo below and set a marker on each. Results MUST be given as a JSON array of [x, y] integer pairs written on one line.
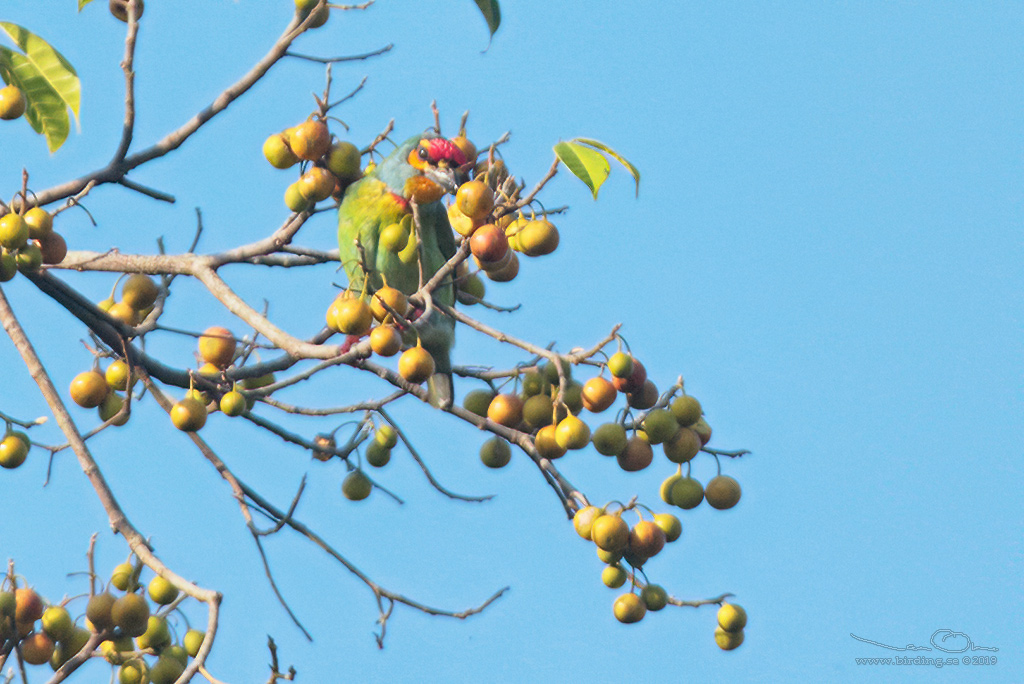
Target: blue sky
[[827, 246]]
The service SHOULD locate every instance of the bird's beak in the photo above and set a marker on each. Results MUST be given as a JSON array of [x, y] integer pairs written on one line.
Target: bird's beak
[[443, 176]]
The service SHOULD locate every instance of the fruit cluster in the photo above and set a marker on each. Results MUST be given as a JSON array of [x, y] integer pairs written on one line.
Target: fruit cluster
[[731, 621], [357, 486], [327, 167], [28, 240], [135, 638], [138, 296]]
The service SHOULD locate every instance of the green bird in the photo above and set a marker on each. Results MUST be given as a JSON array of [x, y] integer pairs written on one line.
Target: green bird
[[422, 169]]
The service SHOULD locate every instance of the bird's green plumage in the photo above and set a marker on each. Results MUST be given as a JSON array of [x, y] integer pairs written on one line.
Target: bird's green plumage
[[369, 206]]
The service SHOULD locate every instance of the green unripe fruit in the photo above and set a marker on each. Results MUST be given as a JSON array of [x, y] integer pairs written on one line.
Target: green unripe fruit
[[654, 597], [610, 439], [13, 231], [670, 525], [722, 492], [687, 493], [538, 411], [534, 383], [135, 671], [295, 200], [394, 237], [620, 364], [495, 453], [176, 652], [377, 454], [111, 407], [660, 426], [131, 614], [57, 623], [166, 670], [97, 611], [139, 291], [683, 446], [192, 641], [356, 486], [550, 371], [478, 401], [121, 578], [8, 266], [386, 437], [666, 488], [30, 258], [343, 160], [162, 591], [233, 403], [686, 409], [614, 576], [726, 640], [156, 636]]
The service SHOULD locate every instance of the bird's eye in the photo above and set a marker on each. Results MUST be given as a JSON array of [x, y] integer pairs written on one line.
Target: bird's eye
[[424, 153]]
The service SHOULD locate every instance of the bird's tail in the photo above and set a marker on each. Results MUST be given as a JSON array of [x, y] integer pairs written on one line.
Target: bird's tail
[[439, 389]]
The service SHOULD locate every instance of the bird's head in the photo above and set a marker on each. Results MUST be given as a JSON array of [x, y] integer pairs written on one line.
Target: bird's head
[[426, 167]]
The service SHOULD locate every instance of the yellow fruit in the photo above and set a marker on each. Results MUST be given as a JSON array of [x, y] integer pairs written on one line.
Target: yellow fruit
[[157, 634], [233, 403], [217, 346], [317, 184], [572, 433], [122, 576], [39, 222], [353, 317], [12, 102], [584, 518], [614, 576], [295, 200], [57, 624], [162, 591], [394, 237], [727, 641], [13, 231], [537, 238], [120, 311], [278, 152], [546, 443], [192, 641], [30, 257], [475, 200], [139, 291], [610, 532], [111, 407], [598, 394], [116, 651], [416, 365], [629, 608], [461, 224], [89, 389], [732, 617], [13, 450], [467, 147], [393, 298], [343, 160], [188, 415], [670, 525], [646, 539], [506, 409], [385, 340]]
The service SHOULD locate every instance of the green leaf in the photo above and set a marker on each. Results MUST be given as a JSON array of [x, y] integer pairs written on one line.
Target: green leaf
[[46, 112], [49, 63], [589, 166], [83, 3], [491, 12], [633, 171]]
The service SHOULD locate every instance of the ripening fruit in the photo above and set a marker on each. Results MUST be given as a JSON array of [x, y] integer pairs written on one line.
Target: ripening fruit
[[157, 634], [36, 648], [353, 317], [609, 557], [28, 606], [620, 364], [395, 237], [506, 409], [117, 374], [135, 671], [683, 447], [12, 102], [39, 222], [278, 152], [139, 291], [377, 455], [188, 415], [415, 365], [475, 200], [119, 8], [317, 184], [176, 652], [310, 140], [233, 403], [666, 487], [629, 608], [131, 614], [295, 200], [703, 431], [478, 401], [89, 389], [65, 649], [391, 296], [30, 257], [385, 340], [584, 518], [546, 443], [217, 346], [686, 409], [634, 380], [654, 597], [645, 398], [660, 426], [120, 311], [356, 486], [162, 591], [192, 641], [687, 493], [610, 532], [670, 525], [13, 231], [343, 160], [572, 433], [111, 407], [610, 439], [614, 576], [537, 238], [97, 611], [598, 394], [495, 453], [122, 576], [505, 273], [727, 641], [722, 492], [467, 147], [488, 243], [116, 651], [732, 617], [53, 248], [13, 450], [637, 455], [646, 539]]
